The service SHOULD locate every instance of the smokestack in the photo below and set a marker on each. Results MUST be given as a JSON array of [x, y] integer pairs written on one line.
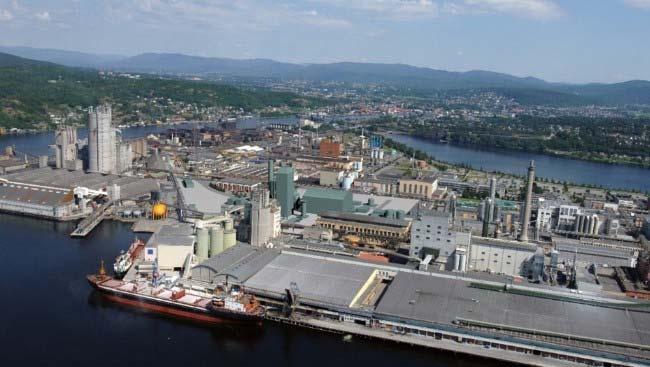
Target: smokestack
[[271, 179], [487, 214], [523, 237], [452, 208]]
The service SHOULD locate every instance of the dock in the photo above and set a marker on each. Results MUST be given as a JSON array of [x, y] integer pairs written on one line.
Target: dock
[[450, 345], [89, 223]]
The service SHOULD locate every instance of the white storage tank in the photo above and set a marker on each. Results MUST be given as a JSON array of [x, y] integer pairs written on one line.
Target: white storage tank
[[216, 240], [202, 243], [229, 239]]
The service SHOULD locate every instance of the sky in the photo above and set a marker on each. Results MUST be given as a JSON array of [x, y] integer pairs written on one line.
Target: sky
[[574, 41]]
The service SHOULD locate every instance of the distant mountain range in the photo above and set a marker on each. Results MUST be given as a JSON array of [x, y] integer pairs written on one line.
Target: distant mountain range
[[526, 90], [31, 90]]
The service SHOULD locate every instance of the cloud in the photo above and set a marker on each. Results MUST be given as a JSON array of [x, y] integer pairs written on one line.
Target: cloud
[[43, 16], [249, 15], [640, 4], [535, 9], [389, 9], [5, 15]]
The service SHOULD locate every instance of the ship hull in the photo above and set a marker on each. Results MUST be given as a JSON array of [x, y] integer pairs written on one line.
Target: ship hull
[[173, 309]]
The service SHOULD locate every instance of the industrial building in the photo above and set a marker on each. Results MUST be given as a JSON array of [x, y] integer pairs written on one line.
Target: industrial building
[[421, 188], [520, 323], [365, 229], [66, 148], [49, 193], [102, 140], [328, 147], [265, 218], [236, 185], [172, 245], [320, 200], [499, 256], [330, 177], [285, 190], [432, 234]]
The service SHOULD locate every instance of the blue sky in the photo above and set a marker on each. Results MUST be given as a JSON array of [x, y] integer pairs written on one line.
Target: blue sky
[[557, 40]]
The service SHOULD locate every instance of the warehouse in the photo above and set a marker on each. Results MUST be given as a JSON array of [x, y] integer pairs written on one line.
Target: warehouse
[[171, 244], [319, 200], [42, 202], [445, 301], [319, 282], [237, 264]]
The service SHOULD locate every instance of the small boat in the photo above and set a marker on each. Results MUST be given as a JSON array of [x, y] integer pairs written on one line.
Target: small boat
[[125, 260]]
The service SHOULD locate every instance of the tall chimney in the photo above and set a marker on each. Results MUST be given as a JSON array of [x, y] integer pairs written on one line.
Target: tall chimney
[[523, 237]]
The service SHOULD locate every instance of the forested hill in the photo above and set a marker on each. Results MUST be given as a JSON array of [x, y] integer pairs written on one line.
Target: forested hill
[[32, 90]]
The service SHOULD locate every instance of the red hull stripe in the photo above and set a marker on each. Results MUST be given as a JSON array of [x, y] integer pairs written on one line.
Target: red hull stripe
[[165, 310]]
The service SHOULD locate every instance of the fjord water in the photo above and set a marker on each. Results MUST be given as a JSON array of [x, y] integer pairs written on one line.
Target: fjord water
[[614, 176], [52, 317]]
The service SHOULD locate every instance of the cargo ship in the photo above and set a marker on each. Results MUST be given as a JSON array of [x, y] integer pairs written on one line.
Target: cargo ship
[[126, 259], [222, 307]]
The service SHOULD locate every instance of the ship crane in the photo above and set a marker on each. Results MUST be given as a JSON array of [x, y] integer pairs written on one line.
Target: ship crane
[[292, 298]]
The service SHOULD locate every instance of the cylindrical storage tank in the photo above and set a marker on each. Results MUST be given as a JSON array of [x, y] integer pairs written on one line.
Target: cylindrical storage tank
[[229, 239], [137, 213], [216, 240], [381, 154], [463, 262], [228, 225], [127, 213], [202, 243], [347, 182], [456, 261]]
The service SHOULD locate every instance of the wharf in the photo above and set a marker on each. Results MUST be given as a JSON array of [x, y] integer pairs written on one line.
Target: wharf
[[89, 223], [426, 342]]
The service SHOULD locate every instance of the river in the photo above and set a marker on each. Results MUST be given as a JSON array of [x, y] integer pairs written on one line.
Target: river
[[52, 317], [563, 169]]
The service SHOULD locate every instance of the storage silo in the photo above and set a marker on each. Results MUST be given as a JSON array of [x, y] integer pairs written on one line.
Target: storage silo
[[216, 240], [202, 243], [229, 239], [228, 225]]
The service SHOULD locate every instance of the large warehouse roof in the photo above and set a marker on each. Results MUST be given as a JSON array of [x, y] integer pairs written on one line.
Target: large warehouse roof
[[441, 300], [64, 179], [239, 262], [318, 281]]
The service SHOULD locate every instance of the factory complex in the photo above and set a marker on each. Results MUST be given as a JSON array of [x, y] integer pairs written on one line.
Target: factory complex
[[342, 233]]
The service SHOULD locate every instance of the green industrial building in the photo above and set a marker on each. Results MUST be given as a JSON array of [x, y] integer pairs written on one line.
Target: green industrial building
[[319, 200], [285, 190]]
